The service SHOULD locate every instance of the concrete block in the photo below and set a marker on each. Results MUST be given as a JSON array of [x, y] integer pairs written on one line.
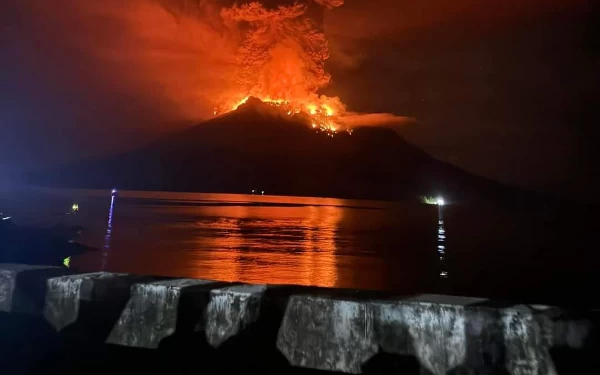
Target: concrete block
[[230, 310], [527, 340], [327, 334], [22, 287], [442, 299], [436, 332], [151, 312], [65, 294], [342, 335]]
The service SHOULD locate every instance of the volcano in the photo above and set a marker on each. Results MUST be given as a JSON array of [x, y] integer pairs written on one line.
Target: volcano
[[259, 147]]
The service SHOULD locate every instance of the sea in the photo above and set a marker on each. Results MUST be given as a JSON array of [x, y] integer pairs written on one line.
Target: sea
[[407, 247]]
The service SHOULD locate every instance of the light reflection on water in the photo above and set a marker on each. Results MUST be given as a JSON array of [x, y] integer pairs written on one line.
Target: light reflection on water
[[293, 245], [106, 247], [257, 239], [260, 239], [441, 244], [323, 242]]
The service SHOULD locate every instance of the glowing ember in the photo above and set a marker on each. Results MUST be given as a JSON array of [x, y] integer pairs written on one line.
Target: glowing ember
[[323, 117]]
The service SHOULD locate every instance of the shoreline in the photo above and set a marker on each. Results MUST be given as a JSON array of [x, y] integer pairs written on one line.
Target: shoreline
[[305, 327]]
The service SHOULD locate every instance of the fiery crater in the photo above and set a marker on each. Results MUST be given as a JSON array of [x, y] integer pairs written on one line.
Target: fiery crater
[[323, 117], [280, 60]]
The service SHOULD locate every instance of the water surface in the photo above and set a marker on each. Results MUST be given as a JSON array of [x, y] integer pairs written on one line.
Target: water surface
[[403, 247]]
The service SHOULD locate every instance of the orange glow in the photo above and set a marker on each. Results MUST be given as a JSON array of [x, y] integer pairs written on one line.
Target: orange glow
[[281, 61], [191, 60], [303, 241], [322, 115], [242, 248]]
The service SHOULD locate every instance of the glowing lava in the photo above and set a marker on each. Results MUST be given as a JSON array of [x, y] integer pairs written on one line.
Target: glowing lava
[[322, 116], [281, 60]]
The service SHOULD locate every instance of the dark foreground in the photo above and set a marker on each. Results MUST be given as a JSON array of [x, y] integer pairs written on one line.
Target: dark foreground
[[52, 322]]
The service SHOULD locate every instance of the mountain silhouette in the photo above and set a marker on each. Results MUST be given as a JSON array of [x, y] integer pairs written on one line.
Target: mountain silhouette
[[258, 147]]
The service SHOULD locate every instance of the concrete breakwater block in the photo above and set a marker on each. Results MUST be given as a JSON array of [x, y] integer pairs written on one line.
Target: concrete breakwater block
[[23, 287], [221, 311], [230, 310], [152, 311], [327, 334], [65, 294], [442, 333]]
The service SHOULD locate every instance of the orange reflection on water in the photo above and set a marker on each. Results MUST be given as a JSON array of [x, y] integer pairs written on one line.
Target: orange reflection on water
[[267, 244]]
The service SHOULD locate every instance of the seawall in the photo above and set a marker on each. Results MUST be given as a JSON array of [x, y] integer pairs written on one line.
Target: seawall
[[285, 329]]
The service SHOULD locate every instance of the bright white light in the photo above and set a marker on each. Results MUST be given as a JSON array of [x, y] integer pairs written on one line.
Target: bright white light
[[6, 218], [440, 201], [114, 191]]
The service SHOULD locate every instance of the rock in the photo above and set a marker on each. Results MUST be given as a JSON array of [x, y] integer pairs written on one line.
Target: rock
[[22, 287], [151, 313], [230, 310]]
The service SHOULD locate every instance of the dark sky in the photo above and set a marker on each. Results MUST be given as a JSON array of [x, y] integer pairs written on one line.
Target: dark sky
[[508, 91]]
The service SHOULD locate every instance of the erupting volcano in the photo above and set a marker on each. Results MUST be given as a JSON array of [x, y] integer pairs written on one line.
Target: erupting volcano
[[281, 61], [261, 67], [259, 146]]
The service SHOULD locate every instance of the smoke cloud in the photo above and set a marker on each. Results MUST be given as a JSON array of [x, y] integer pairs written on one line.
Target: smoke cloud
[[352, 120], [146, 63], [282, 53]]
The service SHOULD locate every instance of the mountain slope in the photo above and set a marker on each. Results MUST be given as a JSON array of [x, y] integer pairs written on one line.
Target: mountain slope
[[258, 147]]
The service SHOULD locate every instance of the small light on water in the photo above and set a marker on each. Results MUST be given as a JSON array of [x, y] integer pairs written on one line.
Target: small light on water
[[436, 201]]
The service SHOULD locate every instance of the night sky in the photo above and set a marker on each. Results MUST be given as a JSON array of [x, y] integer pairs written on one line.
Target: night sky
[[503, 90]]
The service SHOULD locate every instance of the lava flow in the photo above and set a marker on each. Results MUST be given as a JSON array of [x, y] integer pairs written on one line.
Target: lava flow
[[281, 61], [323, 118]]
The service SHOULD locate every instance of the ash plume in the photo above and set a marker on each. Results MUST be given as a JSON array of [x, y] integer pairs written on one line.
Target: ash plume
[[171, 61]]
